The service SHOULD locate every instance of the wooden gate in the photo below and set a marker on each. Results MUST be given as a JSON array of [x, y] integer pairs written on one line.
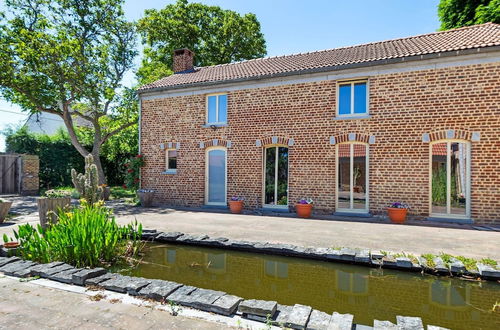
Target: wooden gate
[[10, 174]]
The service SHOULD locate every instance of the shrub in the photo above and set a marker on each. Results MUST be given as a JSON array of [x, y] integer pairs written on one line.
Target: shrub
[[86, 237], [133, 170]]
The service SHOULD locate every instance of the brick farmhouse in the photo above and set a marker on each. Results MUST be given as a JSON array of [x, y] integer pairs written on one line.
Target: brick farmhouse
[[415, 120]]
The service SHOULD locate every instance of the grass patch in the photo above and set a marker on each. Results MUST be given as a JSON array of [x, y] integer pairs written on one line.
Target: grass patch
[[489, 262], [469, 263], [118, 192], [429, 259]]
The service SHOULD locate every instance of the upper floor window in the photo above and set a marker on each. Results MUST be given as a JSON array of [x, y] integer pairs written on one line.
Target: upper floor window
[[352, 98], [217, 109], [171, 161]]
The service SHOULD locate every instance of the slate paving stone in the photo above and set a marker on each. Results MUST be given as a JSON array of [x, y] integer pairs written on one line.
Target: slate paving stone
[[13, 267], [37, 270], [180, 293], [258, 307], [440, 265], [299, 316], [362, 256], [149, 234], [341, 321], [79, 278], [488, 271], [282, 314], [201, 298], [187, 238], [159, 289], [457, 267], [347, 254], [242, 245], [389, 263], [376, 255], [8, 260], [65, 276], [168, 237], [24, 272], [434, 327], [125, 284], [384, 325], [48, 272], [99, 279], [409, 323], [318, 320], [225, 305], [404, 262], [218, 241]]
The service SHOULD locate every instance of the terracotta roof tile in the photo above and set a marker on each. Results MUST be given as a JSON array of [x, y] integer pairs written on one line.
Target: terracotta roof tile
[[472, 37]]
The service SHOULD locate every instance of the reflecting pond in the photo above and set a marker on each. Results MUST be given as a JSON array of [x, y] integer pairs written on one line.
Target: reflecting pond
[[367, 293]]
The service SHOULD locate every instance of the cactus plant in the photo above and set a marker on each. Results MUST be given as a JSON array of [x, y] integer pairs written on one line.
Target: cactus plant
[[87, 184]]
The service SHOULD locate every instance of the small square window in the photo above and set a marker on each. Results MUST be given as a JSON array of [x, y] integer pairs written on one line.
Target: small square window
[[217, 109], [352, 99], [171, 160]]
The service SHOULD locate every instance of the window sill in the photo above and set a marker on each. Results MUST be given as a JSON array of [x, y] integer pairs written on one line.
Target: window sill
[[169, 172], [214, 125], [352, 117]]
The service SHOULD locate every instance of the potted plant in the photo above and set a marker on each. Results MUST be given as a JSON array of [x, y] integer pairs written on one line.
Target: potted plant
[[304, 208], [50, 203], [236, 204], [4, 209], [146, 197], [397, 212]]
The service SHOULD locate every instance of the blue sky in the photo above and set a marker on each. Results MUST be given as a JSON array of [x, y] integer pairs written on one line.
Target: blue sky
[[295, 26]]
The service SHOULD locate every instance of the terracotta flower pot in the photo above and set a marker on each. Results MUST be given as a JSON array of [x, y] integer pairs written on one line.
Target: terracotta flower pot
[[146, 197], [303, 210], [11, 245], [397, 215], [236, 207]]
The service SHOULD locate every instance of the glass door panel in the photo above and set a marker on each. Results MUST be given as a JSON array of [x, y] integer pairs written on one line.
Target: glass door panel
[[216, 177], [276, 176], [450, 179], [344, 176], [439, 155], [359, 176], [352, 177]]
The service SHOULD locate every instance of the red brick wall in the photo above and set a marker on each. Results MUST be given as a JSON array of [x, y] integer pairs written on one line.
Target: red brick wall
[[403, 106]]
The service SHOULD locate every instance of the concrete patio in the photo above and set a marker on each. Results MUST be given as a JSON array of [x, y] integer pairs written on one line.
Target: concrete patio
[[418, 237]]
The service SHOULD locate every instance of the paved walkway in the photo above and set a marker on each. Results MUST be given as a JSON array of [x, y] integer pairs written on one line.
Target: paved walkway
[[418, 239], [31, 306]]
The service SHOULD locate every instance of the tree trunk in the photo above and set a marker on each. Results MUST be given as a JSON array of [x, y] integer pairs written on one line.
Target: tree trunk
[[100, 170]]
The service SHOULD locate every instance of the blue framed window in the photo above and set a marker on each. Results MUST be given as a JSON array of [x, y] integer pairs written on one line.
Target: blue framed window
[[217, 109], [352, 99]]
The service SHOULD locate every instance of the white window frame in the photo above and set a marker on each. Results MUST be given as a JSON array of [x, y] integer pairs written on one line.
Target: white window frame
[[167, 169], [448, 213], [352, 114], [275, 206], [216, 122], [207, 179], [351, 183]]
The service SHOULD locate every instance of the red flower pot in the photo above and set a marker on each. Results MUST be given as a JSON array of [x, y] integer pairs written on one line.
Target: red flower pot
[[236, 207], [11, 245], [304, 210], [397, 215]]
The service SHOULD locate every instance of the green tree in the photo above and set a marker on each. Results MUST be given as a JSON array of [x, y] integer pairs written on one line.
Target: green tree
[[458, 13], [215, 35], [68, 57]]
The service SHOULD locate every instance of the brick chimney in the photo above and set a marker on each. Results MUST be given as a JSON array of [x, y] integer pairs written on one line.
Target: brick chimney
[[183, 60]]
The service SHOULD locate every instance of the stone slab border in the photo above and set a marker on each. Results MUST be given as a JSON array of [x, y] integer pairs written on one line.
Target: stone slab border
[[218, 302], [362, 257]]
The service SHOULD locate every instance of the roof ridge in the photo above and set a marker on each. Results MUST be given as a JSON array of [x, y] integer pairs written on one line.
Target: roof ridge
[[476, 26]]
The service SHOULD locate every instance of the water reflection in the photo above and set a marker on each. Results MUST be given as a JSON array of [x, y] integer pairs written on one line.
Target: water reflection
[[367, 293]]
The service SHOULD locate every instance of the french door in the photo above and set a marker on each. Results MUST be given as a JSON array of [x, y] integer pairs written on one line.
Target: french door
[[450, 179], [352, 177], [276, 177], [216, 176]]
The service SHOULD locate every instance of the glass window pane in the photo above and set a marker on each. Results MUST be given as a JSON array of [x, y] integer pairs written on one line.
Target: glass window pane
[[270, 176], [282, 176], [359, 176], [344, 175], [216, 176], [344, 99], [439, 178], [212, 109], [458, 161], [222, 108], [172, 159], [360, 98]]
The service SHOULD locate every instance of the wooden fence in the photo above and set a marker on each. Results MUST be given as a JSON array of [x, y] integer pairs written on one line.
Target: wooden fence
[[10, 174]]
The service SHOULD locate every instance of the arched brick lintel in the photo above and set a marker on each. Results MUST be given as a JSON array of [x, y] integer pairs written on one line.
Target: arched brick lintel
[[350, 137], [216, 143], [270, 140], [450, 134]]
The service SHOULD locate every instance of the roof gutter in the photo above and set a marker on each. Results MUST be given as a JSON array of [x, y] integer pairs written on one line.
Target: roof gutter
[[460, 52]]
